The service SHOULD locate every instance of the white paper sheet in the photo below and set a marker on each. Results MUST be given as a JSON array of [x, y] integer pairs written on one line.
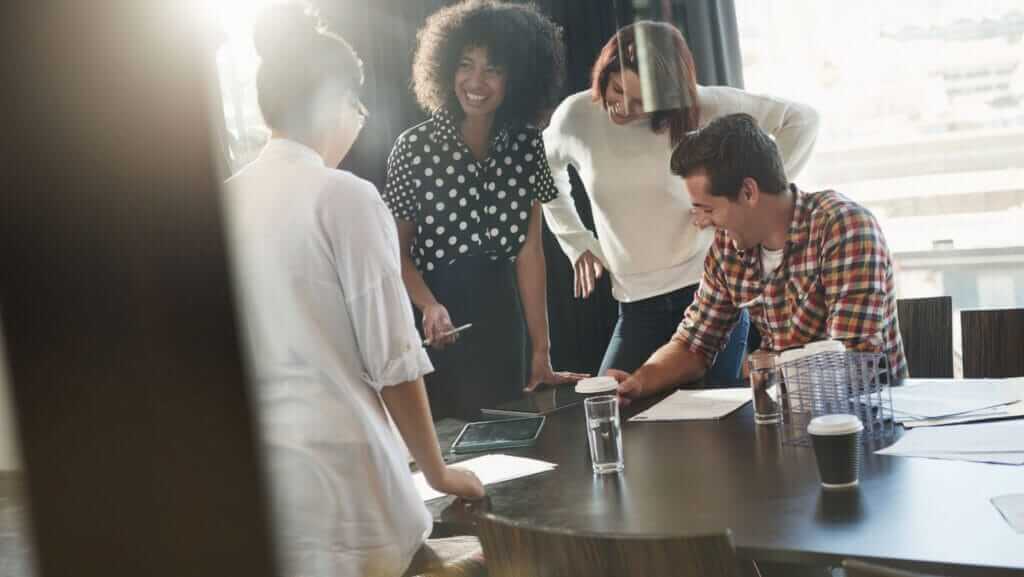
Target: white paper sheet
[[920, 399], [696, 405], [995, 442], [1014, 411], [1011, 507], [490, 469]]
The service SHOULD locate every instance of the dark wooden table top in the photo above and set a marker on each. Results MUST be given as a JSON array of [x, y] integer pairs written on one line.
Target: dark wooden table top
[[694, 476]]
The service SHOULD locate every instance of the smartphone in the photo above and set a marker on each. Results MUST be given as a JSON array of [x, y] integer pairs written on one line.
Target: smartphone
[[456, 330]]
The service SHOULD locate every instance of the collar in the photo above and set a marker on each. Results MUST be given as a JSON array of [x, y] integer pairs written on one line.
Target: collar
[[284, 149], [446, 129], [799, 228]]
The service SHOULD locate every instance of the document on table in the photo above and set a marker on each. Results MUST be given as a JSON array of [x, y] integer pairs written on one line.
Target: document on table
[[1011, 507], [696, 405], [490, 469], [924, 402], [994, 442]]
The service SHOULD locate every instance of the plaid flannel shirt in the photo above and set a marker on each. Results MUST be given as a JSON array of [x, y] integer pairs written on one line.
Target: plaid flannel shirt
[[835, 281]]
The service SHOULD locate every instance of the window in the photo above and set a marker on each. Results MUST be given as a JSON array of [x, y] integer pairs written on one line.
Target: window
[[922, 105], [237, 64]]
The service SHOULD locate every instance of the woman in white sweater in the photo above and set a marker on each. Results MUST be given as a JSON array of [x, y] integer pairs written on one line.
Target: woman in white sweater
[[619, 137]]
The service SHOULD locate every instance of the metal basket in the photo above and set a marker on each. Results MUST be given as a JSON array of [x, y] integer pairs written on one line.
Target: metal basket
[[829, 383]]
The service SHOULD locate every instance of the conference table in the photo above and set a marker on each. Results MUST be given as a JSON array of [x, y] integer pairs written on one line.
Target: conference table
[[685, 477]]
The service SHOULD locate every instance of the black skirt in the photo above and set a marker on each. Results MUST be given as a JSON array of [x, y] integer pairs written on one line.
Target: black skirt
[[487, 365]]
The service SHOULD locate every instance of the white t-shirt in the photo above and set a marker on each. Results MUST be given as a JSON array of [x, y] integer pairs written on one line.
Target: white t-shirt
[[328, 324], [770, 260], [645, 234]]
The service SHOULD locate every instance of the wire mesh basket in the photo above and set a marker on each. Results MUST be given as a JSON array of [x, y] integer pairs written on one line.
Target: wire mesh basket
[[834, 382]]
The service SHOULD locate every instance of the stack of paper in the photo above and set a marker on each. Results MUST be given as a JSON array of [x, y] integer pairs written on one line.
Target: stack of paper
[[992, 442], [695, 405], [490, 469], [923, 402]]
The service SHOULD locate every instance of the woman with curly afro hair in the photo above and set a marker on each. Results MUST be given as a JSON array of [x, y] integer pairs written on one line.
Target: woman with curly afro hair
[[465, 187]]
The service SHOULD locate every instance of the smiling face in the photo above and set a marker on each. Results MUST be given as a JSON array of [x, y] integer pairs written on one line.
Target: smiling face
[[479, 84], [735, 217], [623, 98]]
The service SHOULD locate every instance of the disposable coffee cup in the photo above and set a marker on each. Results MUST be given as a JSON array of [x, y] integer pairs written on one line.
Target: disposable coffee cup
[[836, 441]]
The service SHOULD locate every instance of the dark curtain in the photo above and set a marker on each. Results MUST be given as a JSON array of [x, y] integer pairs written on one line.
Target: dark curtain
[[384, 34], [711, 31]]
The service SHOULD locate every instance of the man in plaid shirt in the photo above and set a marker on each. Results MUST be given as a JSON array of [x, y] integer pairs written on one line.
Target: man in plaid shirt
[[808, 266]]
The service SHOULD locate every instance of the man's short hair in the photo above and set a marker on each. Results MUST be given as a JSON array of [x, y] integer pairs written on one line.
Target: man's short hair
[[730, 149]]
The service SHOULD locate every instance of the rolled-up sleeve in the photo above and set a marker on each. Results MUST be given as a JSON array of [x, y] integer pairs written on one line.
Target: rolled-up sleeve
[[378, 305], [709, 319]]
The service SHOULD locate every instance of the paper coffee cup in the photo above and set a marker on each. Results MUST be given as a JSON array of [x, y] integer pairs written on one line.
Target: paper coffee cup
[[836, 442]]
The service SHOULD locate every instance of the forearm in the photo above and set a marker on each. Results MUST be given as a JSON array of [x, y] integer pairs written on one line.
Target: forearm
[[408, 405], [532, 279], [419, 293], [671, 365]]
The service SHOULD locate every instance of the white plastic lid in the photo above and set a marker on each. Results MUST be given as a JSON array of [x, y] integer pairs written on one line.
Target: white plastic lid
[[791, 355], [835, 425], [597, 385], [826, 346]]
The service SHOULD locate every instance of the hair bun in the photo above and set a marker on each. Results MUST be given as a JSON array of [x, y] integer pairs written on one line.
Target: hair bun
[[282, 31]]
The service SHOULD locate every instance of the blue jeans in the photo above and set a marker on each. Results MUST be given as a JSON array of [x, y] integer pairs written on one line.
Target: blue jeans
[[645, 325]]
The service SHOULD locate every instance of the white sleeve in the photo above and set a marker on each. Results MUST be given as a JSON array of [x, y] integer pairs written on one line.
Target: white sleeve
[[560, 212], [365, 246], [793, 125]]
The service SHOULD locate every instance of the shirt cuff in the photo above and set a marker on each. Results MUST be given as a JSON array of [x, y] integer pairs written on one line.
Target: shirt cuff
[[410, 366]]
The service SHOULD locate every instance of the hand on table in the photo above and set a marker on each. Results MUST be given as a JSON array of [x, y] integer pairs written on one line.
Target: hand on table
[[459, 482], [629, 387], [542, 373]]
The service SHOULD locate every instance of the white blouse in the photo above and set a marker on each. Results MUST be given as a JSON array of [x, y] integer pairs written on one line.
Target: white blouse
[[328, 324], [645, 236]]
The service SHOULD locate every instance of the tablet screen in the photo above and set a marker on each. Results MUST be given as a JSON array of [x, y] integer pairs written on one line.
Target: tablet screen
[[487, 434]]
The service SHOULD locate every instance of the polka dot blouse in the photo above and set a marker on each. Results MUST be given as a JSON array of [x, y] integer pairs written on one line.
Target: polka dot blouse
[[463, 206]]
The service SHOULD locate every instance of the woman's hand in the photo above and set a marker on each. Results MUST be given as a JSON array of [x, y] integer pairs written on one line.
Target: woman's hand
[[542, 373], [458, 482], [436, 323], [587, 270]]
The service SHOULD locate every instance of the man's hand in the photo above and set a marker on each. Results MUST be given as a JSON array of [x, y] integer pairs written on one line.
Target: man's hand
[[629, 387]]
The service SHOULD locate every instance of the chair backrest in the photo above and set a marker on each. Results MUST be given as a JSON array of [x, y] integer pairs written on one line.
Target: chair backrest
[[856, 568], [926, 325], [993, 343], [515, 550]]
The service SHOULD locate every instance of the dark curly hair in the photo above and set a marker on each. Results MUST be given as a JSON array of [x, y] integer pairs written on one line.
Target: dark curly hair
[[518, 37]]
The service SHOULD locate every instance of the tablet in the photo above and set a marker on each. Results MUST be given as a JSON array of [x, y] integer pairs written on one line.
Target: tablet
[[502, 434], [540, 402]]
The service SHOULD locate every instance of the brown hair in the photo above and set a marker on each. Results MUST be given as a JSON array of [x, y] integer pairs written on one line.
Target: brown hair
[[665, 54], [299, 57], [729, 149]]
